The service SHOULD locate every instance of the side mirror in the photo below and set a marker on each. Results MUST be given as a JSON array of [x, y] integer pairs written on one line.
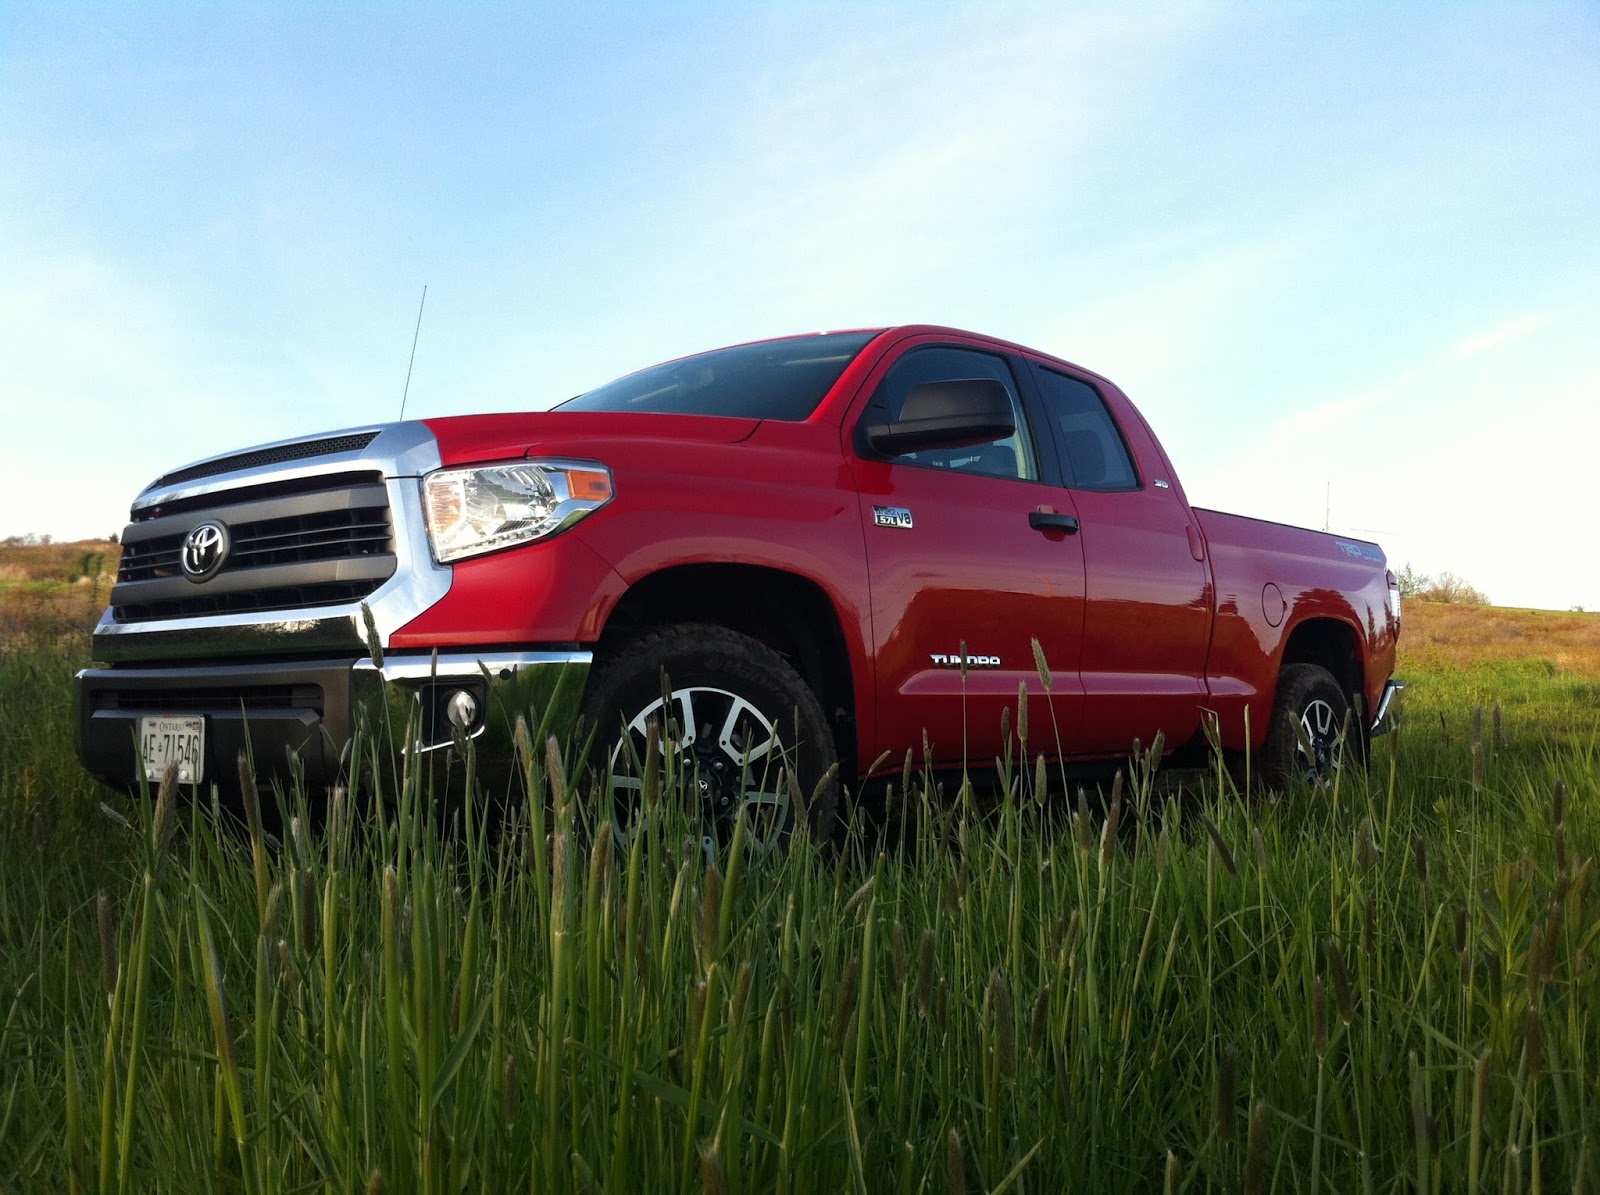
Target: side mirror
[[947, 415]]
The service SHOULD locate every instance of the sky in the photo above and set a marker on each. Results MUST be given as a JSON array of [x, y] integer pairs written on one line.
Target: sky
[[1345, 257]]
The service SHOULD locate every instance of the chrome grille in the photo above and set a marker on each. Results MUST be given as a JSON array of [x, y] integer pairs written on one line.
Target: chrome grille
[[319, 541]]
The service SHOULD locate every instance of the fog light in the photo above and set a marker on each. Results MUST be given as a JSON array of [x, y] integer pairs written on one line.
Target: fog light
[[461, 707]]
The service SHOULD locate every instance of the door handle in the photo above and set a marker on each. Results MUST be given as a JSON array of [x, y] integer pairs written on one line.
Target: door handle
[[1049, 520]]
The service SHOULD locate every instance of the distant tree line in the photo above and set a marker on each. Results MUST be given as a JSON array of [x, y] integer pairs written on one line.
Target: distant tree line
[[31, 540], [1446, 587]]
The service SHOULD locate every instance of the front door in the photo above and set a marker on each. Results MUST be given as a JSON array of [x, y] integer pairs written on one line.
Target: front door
[[968, 549]]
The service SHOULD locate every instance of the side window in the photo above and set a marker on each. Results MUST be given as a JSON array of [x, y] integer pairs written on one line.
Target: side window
[[1012, 457], [1096, 457]]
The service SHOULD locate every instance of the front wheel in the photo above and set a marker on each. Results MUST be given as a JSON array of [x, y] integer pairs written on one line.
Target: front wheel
[[1307, 736], [738, 726]]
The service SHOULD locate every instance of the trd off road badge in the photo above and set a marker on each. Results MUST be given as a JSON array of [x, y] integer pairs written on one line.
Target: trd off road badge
[[892, 516], [204, 551]]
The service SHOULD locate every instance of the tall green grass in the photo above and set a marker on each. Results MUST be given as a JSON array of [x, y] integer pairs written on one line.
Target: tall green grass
[[1390, 985]]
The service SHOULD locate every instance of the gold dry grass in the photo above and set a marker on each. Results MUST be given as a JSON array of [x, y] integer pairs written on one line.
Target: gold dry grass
[[54, 589], [1437, 638]]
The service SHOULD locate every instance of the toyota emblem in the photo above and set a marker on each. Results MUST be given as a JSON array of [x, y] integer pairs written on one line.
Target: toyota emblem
[[204, 552]]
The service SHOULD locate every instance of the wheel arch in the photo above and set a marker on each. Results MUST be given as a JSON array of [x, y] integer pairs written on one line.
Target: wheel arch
[[789, 613], [1334, 645]]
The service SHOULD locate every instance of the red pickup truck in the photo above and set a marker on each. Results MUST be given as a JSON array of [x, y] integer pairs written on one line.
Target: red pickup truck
[[834, 547]]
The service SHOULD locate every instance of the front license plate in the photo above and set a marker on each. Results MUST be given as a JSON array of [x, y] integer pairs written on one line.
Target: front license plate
[[164, 740]]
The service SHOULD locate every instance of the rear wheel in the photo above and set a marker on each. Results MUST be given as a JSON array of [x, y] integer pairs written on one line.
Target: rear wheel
[[1307, 736], [736, 723]]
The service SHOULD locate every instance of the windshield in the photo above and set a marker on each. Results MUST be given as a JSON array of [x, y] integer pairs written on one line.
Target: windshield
[[776, 379]]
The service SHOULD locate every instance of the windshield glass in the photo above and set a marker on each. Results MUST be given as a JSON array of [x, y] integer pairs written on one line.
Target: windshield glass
[[777, 379]]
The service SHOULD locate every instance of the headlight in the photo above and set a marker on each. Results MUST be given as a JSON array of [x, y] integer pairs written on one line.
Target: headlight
[[472, 511]]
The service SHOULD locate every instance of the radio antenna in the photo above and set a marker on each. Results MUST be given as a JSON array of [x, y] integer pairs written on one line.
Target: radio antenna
[[418, 332]]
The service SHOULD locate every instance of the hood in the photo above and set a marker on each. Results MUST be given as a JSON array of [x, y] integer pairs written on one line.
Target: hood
[[467, 439]]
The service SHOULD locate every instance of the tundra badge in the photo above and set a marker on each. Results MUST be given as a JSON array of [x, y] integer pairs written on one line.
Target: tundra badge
[[892, 516]]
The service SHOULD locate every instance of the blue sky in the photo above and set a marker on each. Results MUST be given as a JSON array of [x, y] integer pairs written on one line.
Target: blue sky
[[1342, 249]]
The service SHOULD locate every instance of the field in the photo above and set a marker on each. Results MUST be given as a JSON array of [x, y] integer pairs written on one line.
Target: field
[[1392, 984]]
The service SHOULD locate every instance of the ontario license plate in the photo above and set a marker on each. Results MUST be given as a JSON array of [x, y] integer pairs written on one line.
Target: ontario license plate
[[164, 739]]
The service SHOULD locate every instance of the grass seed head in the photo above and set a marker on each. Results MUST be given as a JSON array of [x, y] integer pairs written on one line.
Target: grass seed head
[[162, 822], [274, 900], [1341, 983], [955, 1160], [1041, 665], [289, 974], [1022, 714], [1499, 739], [1260, 847], [337, 812], [1478, 778], [1002, 1018], [1558, 803], [555, 774], [106, 926], [710, 911], [508, 1088], [1255, 1157], [1174, 1175], [1225, 1093], [713, 1179], [1108, 832], [845, 1004], [252, 797], [925, 971], [1040, 1020], [374, 640], [859, 897], [1367, 853]]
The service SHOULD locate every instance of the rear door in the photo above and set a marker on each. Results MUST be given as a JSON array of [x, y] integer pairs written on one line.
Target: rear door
[[1147, 615], [955, 560]]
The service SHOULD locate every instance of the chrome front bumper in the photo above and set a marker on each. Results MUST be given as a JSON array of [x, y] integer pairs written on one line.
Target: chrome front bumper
[[302, 718]]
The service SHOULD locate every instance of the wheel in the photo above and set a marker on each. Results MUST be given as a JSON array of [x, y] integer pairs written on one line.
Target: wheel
[[1305, 738], [742, 724]]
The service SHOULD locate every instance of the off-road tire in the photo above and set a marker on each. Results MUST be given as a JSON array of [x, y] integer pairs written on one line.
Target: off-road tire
[[1308, 695], [626, 681]]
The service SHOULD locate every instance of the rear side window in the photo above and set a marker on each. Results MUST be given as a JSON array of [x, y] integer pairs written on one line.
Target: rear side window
[[1096, 457], [1012, 457]]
